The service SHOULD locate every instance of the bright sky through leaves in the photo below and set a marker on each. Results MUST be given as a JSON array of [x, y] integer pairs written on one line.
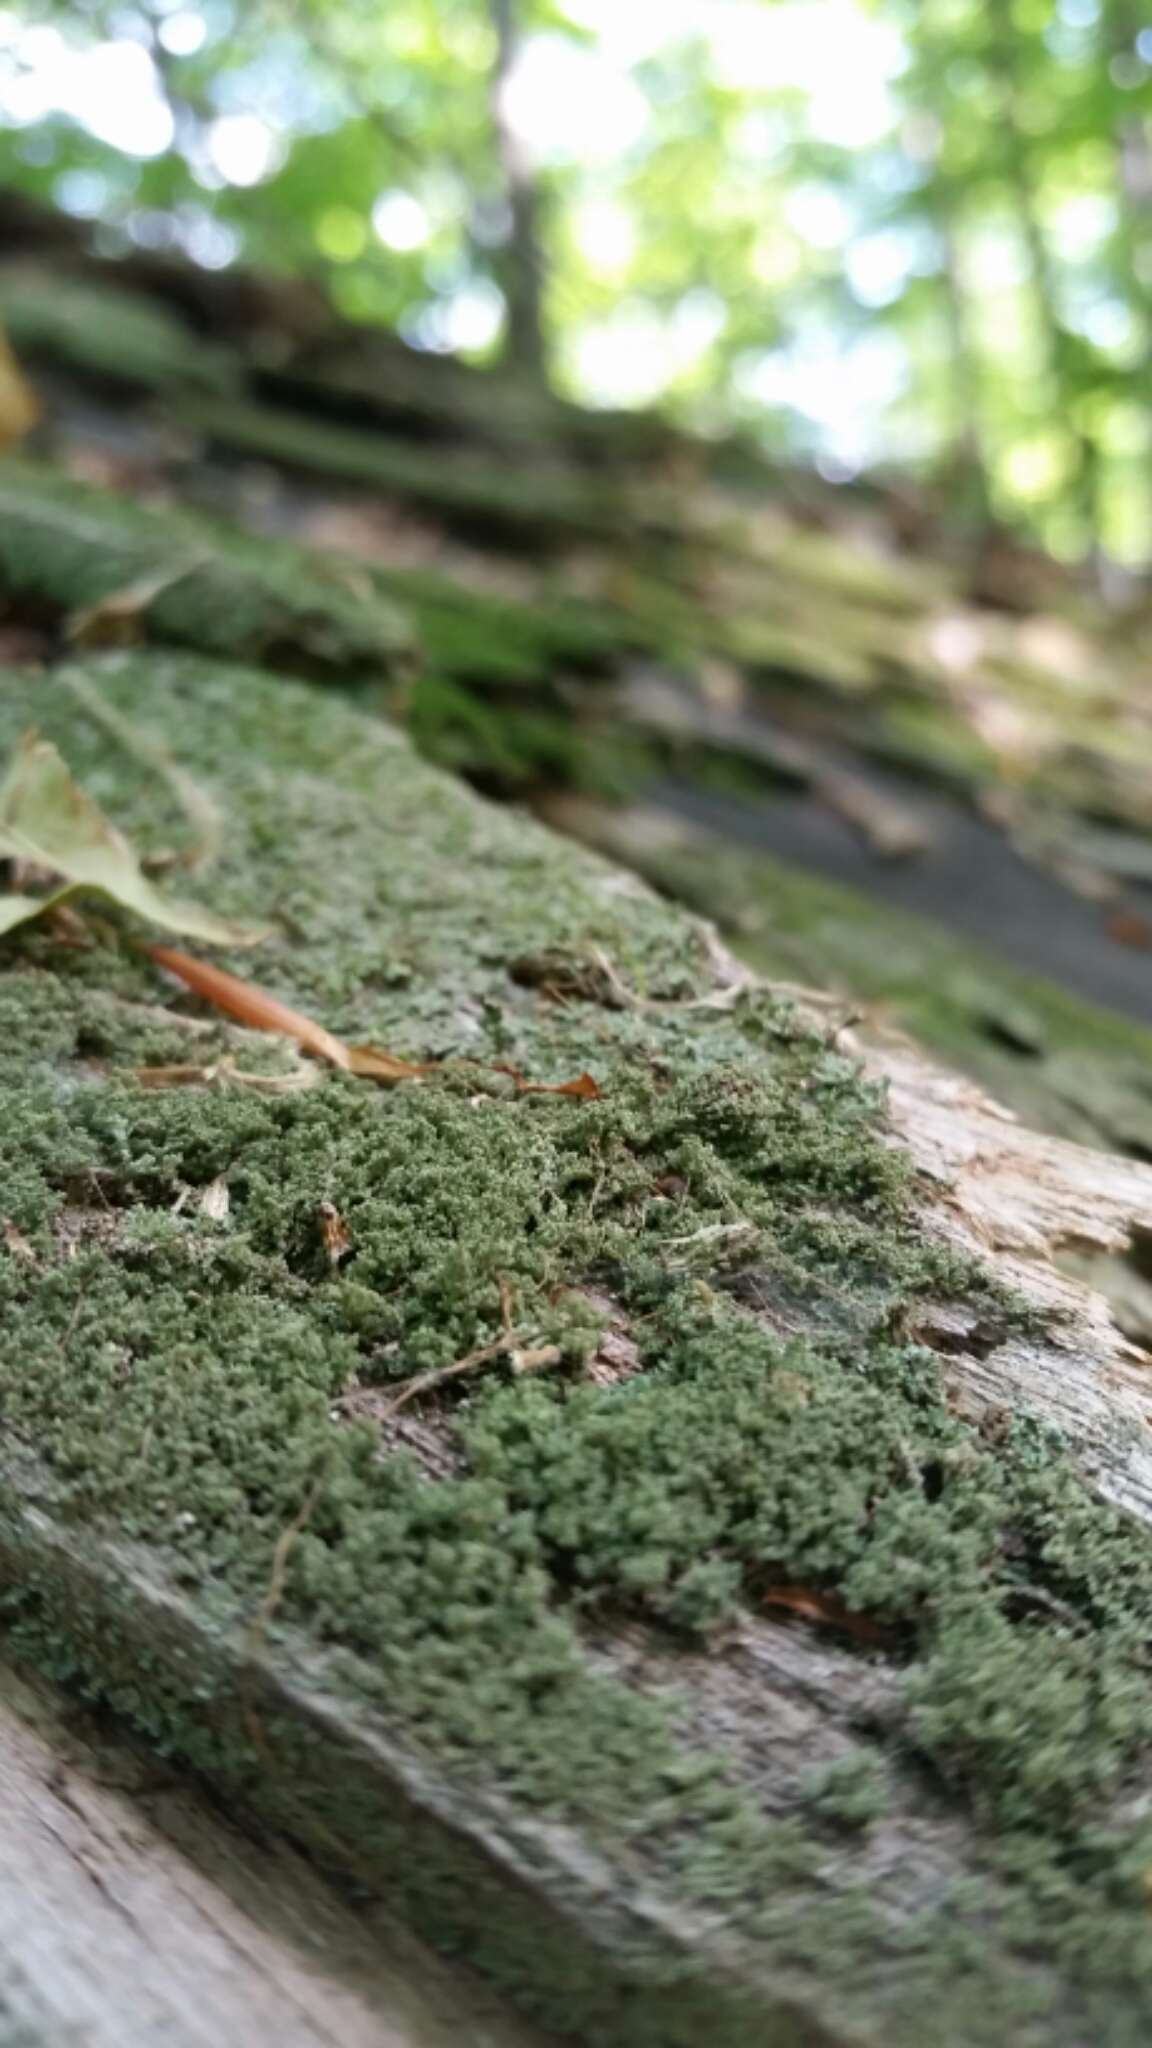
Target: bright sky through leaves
[[871, 230]]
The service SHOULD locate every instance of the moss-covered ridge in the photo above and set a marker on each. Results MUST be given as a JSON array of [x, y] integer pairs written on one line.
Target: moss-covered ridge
[[67, 548], [731, 1198], [1061, 1063]]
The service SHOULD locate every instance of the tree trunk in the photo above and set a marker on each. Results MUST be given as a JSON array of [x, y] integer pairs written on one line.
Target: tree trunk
[[522, 262]]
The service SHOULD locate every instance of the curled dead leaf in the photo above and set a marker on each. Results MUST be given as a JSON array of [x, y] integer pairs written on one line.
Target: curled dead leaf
[[19, 407], [808, 1603], [374, 1064], [334, 1231], [584, 1087]]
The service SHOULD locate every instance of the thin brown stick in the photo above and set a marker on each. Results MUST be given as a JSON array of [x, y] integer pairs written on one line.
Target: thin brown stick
[[285, 1544], [438, 1375]]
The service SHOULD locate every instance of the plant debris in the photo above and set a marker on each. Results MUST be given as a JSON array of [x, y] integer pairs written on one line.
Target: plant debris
[[584, 1086], [214, 1201], [19, 408], [16, 1241], [222, 1073], [335, 1233], [251, 1005], [50, 827], [263, 1012], [374, 1064], [509, 1344], [117, 620], [809, 1604]]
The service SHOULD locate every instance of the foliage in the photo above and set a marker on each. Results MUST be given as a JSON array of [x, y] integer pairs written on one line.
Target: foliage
[[871, 229]]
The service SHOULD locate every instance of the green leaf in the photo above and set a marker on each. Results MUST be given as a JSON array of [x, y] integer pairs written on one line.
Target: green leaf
[[48, 821]]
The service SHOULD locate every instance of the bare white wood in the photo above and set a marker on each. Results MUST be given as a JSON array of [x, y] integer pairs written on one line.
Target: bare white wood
[[132, 1915]]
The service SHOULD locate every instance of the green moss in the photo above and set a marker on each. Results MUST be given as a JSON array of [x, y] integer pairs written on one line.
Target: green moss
[[850, 1793], [1060, 1062], [66, 546], [535, 504], [733, 1197], [107, 332], [486, 639]]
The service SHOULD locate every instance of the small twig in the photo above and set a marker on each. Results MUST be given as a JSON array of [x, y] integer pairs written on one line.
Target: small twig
[[721, 999], [273, 1594], [508, 1340], [285, 1544]]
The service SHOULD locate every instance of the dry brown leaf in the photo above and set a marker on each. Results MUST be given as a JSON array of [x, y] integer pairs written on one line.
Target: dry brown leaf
[[17, 1243], [263, 1012], [809, 1604], [584, 1086], [374, 1064], [19, 407], [334, 1230]]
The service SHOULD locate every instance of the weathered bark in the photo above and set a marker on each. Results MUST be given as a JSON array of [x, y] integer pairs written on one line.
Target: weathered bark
[[132, 1910]]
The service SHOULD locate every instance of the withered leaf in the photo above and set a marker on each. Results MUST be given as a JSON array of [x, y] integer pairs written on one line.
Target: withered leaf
[[810, 1604], [584, 1086], [334, 1231], [264, 1012], [19, 408], [48, 822], [375, 1064]]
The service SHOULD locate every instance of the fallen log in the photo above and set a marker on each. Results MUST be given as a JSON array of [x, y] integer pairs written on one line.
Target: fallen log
[[772, 1666]]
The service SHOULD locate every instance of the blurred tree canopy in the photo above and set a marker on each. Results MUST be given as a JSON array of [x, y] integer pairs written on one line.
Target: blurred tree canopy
[[905, 232]]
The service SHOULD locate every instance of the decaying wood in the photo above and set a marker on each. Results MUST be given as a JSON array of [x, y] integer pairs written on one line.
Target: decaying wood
[[132, 1912], [1025, 1201], [781, 1701]]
